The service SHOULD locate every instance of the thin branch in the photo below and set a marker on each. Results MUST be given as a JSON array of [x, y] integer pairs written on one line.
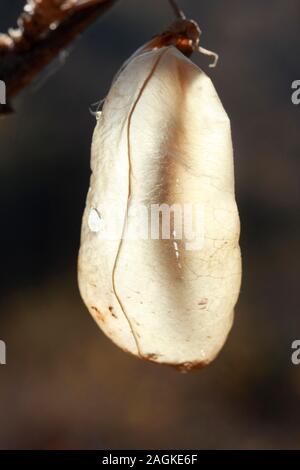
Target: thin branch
[[178, 12], [45, 28]]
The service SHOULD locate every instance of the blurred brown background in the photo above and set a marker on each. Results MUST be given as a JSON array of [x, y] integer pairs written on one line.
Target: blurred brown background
[[65, 385]]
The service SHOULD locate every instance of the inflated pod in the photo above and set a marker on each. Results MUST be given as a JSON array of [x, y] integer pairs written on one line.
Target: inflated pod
[[162, 139]]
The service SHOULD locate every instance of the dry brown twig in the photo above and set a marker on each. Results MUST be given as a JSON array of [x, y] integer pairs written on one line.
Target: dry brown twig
[[45, 28]]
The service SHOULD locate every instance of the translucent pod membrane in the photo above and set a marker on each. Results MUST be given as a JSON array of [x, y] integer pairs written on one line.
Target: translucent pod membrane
[[162, 142]]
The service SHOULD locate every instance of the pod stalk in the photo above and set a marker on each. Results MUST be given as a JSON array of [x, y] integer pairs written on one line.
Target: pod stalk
[[178, 12]]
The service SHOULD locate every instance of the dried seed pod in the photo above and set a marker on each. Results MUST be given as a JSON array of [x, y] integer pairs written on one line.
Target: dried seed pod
[[163, 138]]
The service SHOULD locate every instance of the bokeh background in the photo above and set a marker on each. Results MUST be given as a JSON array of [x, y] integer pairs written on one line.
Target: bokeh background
[[65, 385]]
